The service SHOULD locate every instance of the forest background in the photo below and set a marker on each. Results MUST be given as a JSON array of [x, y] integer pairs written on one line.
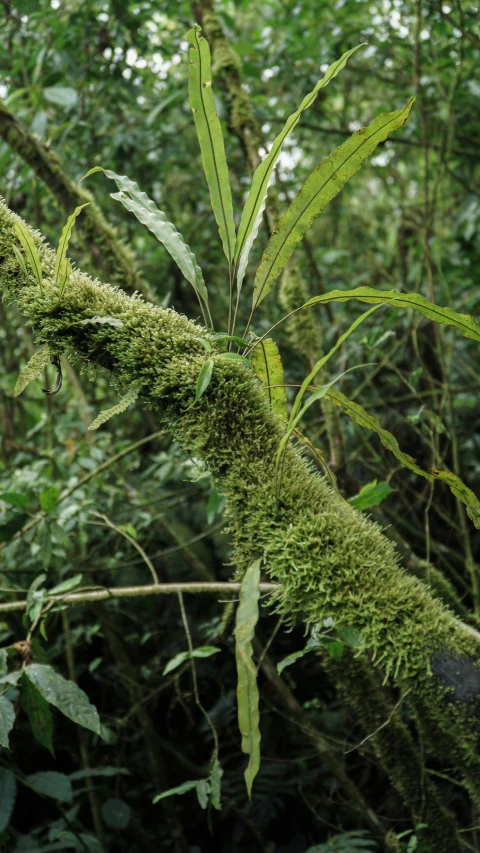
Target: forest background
[[106, 84]]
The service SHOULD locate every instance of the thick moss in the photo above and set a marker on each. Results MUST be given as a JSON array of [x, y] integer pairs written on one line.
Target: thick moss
[[331, 561]]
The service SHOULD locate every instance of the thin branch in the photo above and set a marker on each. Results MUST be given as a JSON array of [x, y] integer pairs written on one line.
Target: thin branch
[[104, 593]]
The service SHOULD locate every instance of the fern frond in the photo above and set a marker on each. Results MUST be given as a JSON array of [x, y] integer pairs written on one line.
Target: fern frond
[[32, 370], [127, 400]]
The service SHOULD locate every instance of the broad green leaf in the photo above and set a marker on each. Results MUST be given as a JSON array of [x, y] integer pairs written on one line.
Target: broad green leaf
[[210, 137], [362, 418], [463, 323], [32, 370], [247, 688], [48, 498], [7, 719], [127, 400], [30, 249], [203, 790], [51, 784], [35, 598], [8, 793], [371, 494], [175, 662], [235, 356], [204, 378], [15, 499], [65, 585], [268, 368], [205, 651], [255, 204], [180, 789], [62, 267], [3, 662], [39, 714], [322, 185], [294, 656], [64, 695]]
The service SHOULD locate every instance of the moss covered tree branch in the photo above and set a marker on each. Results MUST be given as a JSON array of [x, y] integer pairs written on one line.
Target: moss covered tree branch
[[329, 560], [110, 256]]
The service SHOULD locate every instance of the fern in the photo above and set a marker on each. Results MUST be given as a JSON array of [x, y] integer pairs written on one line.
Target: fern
[[127, 400], [32, 370]]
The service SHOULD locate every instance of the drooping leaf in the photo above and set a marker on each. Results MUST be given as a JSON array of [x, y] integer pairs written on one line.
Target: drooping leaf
[[210, 137], [30, 249], [7, 719], [8, 793], [358, 414], [127, 400], [204, 378], [39, 714], [247, 688], [203, 790], [294, 656], [268, 368], [463, 323], [175, 662], [64, 695], [370, 495], [62, 267], [52, 784], [255, 204], [322, 185], [32, 370]]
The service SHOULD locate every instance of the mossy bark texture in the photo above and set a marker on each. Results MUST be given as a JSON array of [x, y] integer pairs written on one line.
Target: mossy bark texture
[[110, 255], [330, 560]]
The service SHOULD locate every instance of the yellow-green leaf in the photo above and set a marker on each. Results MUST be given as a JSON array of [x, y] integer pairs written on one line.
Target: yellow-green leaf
[[362, 418], [255, 204], [247, 688], [127, 400], [268, 368], [30, 249], [32, 370], [463, 323], [210, 137], [324, 183], [62, 266]]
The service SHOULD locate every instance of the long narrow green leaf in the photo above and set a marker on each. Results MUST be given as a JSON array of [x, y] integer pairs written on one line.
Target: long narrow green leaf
[[324, 183], [210, 137], [62, 266], [464, 323], [255, 204], [363, 419], [268, 368], [30, 249], [247, 689], [147, 212]]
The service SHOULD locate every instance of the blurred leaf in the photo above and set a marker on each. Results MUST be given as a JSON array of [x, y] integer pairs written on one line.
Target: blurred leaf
[[48, 498], [247, 688], [66, 585], [116, 813], [64, 695], [14, 499], [61, 96], [14, 523], [39, 714], [8, 793], [51, 784], [7, 719], [180, 789]]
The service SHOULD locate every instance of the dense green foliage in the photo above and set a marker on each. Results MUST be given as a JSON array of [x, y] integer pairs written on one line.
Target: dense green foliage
[[143, 497]]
